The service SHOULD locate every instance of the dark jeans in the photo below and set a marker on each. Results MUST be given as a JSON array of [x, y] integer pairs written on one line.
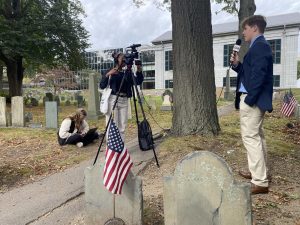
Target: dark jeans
[[75, 138]]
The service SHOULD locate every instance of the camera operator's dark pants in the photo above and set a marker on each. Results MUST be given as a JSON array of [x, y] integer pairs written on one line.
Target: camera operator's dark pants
[[75, 138]]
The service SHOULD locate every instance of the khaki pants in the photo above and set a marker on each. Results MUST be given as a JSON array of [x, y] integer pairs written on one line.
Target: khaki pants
[[120, 114], [254, 141]]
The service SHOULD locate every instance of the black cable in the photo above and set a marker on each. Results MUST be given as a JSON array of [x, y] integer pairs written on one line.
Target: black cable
[[165, 129]]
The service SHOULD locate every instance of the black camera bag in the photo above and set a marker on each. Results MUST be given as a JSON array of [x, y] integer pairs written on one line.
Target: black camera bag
[[145, 136]]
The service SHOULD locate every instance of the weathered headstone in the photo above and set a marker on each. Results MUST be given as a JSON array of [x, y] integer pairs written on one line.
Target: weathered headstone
[[94, 101], [17, 111], [99, 201], [166, 105], [28, 117], [34, 102], [297, 111], [51, 115], [276, 95], [3, 112], [203, 191], [79, 101]]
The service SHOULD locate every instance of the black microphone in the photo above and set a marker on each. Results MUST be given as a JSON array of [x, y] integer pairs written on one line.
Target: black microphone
[[236, 49]]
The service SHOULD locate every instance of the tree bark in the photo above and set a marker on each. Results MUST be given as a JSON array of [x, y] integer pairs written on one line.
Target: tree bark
[[195, 109], [247, 8], [15, 76]]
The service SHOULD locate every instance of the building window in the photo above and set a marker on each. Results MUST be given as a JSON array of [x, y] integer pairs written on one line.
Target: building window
[[147, 57], [227, 53], [168, 83], [233, 81], [148, 85], [276, 50], [276, 80], [168, 60]]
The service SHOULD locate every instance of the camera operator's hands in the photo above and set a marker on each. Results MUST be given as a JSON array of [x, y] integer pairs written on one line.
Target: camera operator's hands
[[113, 71], [118, 67]]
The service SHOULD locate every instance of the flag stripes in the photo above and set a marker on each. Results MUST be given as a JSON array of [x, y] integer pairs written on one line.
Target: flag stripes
[[117, 161], [288, 105]]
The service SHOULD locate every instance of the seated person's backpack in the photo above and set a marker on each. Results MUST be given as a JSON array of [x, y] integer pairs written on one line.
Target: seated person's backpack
[[145, 136]]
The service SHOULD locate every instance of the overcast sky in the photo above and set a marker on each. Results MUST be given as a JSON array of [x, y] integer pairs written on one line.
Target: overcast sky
[[119, 23]]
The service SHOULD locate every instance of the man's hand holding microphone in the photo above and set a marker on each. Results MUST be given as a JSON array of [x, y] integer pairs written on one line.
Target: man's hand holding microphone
[[234, 58]]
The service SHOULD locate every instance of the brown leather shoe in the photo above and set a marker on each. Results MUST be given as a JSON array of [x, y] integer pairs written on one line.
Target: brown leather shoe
[[245, 174], [255, 189]]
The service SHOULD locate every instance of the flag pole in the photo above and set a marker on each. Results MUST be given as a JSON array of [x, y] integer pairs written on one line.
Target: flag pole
[[108, 122], [114, 205]]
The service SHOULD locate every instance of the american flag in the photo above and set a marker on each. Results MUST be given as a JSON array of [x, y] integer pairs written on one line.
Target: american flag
[[117, 161], [288, 105]]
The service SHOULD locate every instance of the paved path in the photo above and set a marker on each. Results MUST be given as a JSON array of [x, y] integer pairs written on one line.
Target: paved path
[[57, 199]]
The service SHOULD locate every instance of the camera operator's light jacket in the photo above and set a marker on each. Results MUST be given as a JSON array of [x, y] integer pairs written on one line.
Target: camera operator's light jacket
[[115, 82]]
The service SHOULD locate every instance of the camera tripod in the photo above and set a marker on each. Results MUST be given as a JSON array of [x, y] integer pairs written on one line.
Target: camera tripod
[[134, 90]]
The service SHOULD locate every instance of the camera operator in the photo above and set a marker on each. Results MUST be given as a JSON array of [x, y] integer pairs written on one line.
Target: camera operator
[[114, 78]]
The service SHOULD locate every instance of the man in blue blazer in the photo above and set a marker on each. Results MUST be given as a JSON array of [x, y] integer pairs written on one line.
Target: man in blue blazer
[[254, 98]]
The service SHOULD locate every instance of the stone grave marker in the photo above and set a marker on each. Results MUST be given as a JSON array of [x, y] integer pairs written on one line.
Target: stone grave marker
[[51, 111], [166, 105], [99, 201], [17, 111], [28, 117], [94, 100], [79, 101], [203, 191], [34, 102], [3, 112], [167, 101]]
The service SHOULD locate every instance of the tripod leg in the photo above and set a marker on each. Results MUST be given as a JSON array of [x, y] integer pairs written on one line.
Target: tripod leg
[[110, 117], [156, 160], [135, 108], [143, 112]]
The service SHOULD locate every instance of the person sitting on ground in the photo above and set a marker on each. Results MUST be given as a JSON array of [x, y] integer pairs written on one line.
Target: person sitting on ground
[[74, 130]]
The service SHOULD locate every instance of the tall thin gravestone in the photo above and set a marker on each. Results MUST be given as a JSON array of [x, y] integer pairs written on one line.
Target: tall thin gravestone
[[51, 115], [94, 100], [2, 112], [17, 111], [203, 191]]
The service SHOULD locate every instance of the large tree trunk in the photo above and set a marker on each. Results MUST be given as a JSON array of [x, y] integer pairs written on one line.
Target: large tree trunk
[[195, 109], [247, 8], [15, 76]]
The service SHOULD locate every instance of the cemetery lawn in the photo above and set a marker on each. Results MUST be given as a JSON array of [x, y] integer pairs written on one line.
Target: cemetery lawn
[[280, 206]]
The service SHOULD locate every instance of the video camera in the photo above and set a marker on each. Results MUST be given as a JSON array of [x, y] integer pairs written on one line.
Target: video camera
[[131, 54]]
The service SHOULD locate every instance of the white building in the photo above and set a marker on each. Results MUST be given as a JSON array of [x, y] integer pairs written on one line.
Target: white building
[[282, 33]]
